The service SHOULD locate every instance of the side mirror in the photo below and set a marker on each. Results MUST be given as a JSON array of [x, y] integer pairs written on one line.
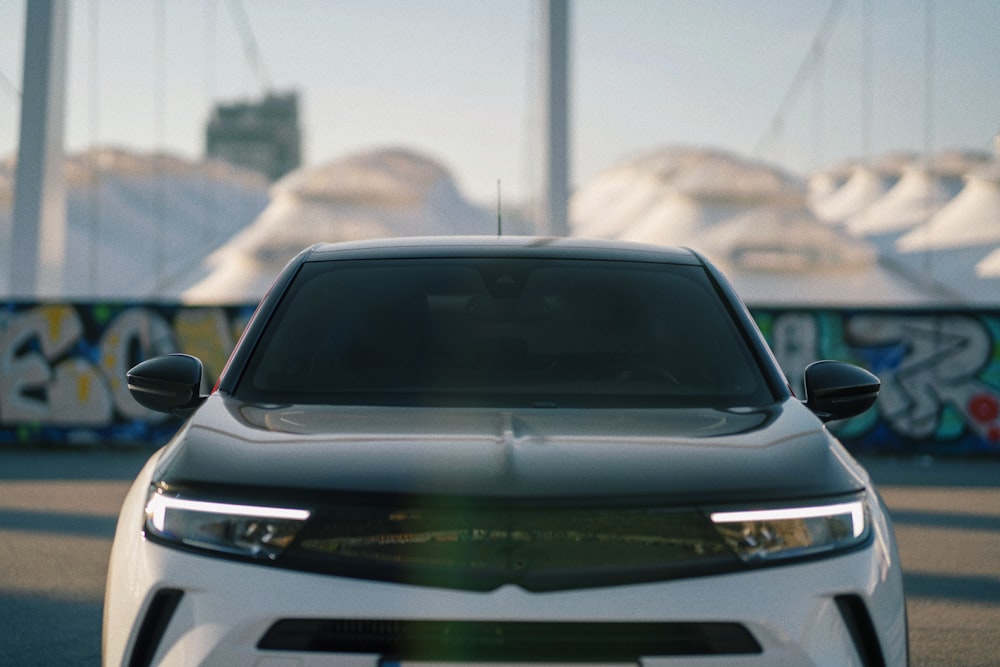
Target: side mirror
[[170, 383], [838, 390]]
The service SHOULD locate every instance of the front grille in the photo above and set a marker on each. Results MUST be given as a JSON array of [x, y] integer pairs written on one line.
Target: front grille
[[508, 640], [485, 548]]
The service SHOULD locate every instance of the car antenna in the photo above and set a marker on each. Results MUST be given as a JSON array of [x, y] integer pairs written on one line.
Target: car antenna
[[499, 221]]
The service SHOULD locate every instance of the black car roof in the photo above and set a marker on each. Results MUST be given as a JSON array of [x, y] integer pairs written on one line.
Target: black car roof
[[505, 246]]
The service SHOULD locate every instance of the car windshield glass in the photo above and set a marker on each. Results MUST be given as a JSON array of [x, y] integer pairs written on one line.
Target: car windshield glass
[[503, 332]]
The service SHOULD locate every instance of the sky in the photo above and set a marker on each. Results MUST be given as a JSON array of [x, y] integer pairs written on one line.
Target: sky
[[458, 80]]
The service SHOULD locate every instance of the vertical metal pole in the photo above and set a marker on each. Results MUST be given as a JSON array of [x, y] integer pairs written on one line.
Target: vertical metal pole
[[555, 72], [38, 236], [867, 80]]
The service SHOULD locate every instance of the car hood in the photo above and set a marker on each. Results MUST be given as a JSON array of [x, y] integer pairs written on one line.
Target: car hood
[[671, 455]]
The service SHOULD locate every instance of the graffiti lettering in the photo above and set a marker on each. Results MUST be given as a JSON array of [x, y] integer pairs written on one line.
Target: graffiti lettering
[[934, 366], [940, 373], [38, 381], [62, 367]]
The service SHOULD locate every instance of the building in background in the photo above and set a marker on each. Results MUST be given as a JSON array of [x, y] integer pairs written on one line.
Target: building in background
[[263, 136]]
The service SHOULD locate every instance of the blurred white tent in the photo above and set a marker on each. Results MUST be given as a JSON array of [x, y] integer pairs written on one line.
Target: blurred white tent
[[780, 257], [921, 191], [951, 246], [146, 226], [990, 266], [749, 218], [824, 183], [672, 195], [381, 193], [865, 185], [137, 223], [971, 218]]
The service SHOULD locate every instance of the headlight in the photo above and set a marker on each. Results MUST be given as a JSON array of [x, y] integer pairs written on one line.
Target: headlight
[[244, 530], [760, 535]]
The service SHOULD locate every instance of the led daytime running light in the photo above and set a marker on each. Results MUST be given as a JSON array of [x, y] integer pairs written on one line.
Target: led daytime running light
[[855, 508], [158, 505]]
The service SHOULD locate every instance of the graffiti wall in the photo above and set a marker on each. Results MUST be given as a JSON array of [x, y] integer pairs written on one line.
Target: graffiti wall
[[62, 367], [940, 374], [62, 370]]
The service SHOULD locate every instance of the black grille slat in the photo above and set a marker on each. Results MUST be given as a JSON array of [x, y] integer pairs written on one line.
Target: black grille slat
[[508, 640]]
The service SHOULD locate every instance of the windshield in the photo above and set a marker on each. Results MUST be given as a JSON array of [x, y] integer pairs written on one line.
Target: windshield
[[502, 332]]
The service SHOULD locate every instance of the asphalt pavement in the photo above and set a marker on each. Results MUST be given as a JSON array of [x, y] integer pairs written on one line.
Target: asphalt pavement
[[57, 516], [58, 509]]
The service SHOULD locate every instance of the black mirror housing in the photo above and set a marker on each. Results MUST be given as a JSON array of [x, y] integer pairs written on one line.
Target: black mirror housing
[[838, 390], [170, 383]]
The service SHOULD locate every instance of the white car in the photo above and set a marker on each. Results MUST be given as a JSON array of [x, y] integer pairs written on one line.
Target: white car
[[503, 451]]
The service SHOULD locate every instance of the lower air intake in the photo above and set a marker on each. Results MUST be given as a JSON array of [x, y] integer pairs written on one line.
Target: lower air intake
[[507, 640]]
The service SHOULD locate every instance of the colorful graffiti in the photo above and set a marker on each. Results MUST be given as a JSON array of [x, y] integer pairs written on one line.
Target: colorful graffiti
[[940, 374], [62, 366], [62, 370]]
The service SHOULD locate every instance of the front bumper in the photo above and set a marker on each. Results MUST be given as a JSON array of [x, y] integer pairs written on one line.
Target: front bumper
[[170, 607]]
